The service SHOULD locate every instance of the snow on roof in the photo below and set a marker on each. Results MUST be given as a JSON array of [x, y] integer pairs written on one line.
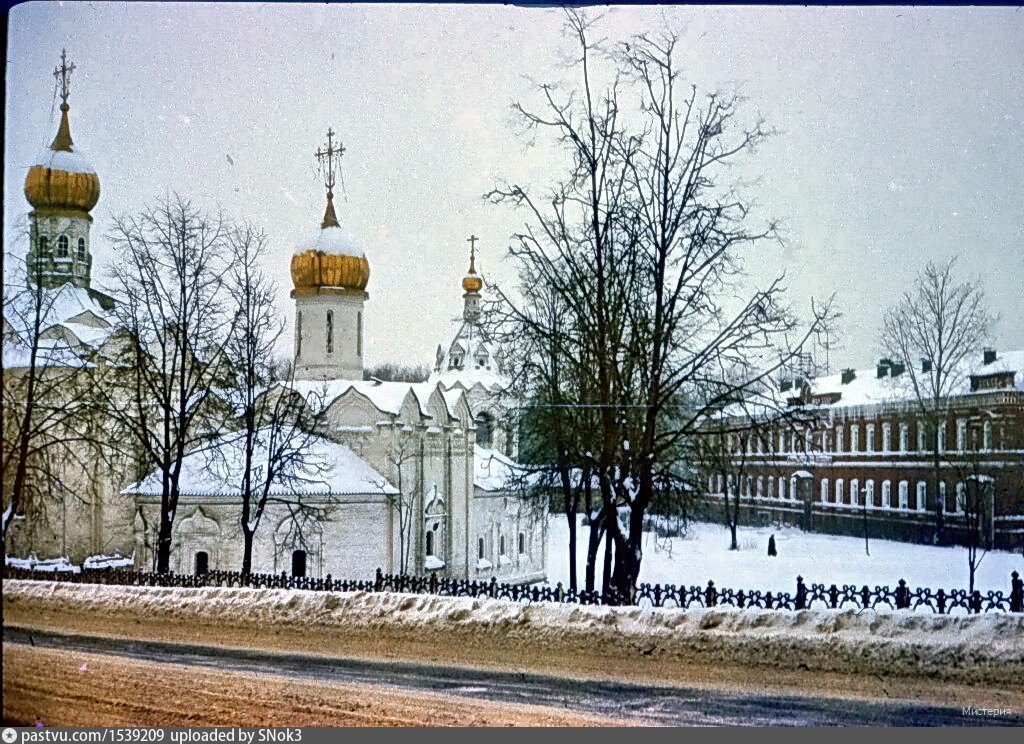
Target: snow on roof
[[867, 388], [452, 396], [328, 468], [334, 241], [471, 359], [50, 352], [72, 162], [493, 471], [387, 397]]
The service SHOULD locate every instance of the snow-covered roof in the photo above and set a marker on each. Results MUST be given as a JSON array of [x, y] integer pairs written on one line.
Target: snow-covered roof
[[334, 241], [327, 468], [868, 388], [388, 397], [493, 471], [49, 353], [72, 162]]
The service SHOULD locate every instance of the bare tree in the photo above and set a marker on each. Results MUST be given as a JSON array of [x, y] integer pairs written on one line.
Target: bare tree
[[169, 282], [935, 329], [394, 372], [48, 407], [276, 430], [402, 452], [643, 226]]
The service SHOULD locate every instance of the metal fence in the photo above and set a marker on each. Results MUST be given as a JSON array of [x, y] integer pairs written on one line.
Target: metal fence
[[805, 596]]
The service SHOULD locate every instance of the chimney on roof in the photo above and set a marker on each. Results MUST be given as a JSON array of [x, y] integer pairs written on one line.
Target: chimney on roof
[[785, 384], [989, 355], [926, 365], [897, 369], [883, 368], [848, 376]]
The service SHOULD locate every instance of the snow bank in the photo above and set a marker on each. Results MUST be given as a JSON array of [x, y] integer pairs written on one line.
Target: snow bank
[[979, 648]]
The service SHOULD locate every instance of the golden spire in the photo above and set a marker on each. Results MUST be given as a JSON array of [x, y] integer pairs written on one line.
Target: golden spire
[[63, 139], [472, 281], [326, 159]]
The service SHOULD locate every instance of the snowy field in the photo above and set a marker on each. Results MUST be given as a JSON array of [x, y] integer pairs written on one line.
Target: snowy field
[[821, 559]]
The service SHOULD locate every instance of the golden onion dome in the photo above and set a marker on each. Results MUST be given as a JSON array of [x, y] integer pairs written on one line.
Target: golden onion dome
[[61, 178], [472, 282], [331, 258]]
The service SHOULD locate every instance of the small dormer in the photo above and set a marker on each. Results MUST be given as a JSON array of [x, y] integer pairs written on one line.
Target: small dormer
[[456, 357]]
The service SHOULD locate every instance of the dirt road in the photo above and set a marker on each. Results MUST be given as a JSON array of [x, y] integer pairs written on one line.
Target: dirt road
[[114, 691]]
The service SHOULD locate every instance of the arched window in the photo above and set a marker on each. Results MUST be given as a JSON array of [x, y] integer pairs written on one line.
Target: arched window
[[824, 490], [904, 494], [359, 334], [986, 436], [869, 495], [299, 563], [886, 494], [854, 492], [298, 334], [484, 430], [81, 249], [839, 491], [522, 543], [502, 545], [44, 244], [430, 542], [202, 563], [62, 246], [480, 548], [922, 495], [330, 331]]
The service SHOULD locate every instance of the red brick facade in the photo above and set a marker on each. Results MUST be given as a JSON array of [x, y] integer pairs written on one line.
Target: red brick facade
[[818, 468]]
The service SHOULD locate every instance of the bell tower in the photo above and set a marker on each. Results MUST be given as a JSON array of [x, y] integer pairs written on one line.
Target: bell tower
[[330, 273], [62, 188]]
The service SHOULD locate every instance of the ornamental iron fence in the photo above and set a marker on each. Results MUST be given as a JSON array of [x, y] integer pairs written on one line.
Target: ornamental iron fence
[[805, 596]]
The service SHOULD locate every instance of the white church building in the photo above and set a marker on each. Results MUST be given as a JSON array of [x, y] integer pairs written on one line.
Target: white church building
[[412, 477]]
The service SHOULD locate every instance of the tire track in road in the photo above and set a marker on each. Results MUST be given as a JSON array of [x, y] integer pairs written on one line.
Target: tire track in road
[[651, 704]]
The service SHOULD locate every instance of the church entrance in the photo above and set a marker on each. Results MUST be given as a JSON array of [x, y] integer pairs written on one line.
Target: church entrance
[[202, 563], [299, 564]]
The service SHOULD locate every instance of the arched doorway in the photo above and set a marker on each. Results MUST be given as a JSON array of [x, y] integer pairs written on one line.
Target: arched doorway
[[202, 563], [299, 564]]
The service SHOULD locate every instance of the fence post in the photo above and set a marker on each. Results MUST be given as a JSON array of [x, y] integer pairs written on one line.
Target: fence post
[[976, 602], [902, 596], [801, 593], [1016, 593]]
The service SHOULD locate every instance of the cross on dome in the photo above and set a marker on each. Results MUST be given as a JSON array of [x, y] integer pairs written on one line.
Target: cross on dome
[[63, 75], [326, 159]]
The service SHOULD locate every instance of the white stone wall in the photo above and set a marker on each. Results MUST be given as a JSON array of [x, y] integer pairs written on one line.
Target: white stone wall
[[313, 361], [497, 515]]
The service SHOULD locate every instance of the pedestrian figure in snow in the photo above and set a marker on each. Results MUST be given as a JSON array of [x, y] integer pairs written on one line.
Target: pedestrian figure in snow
[[771, 546]]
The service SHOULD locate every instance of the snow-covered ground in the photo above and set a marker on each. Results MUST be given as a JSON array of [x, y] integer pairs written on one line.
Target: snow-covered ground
[[821, 559], [967, 648]]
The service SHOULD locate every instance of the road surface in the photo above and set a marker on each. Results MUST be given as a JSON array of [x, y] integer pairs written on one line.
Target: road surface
[[644, 704]]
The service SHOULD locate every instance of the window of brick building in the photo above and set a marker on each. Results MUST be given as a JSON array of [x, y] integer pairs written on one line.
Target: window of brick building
[[922, 495], [870, 446], [839, 439], [904, 437], [869, 495], [854, 438], [886, 494], [886, 437], [922, 430], [986, 436], [824, 490], [904, 494], [855, 492], [839, 490], [961, 434]]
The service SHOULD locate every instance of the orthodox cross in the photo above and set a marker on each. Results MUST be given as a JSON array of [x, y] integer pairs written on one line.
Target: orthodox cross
[[327, 157], [472, 252], [63, 75]]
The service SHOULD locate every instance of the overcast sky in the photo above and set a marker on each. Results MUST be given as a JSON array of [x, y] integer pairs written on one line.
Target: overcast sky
[[901, 136]]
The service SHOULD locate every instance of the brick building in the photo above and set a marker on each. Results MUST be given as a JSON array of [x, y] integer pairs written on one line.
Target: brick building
[[855, 448]]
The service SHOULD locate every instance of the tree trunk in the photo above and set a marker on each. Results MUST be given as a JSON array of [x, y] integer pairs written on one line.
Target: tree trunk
[[163, 545], [593, 545], [247, 537], [570, 515]]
